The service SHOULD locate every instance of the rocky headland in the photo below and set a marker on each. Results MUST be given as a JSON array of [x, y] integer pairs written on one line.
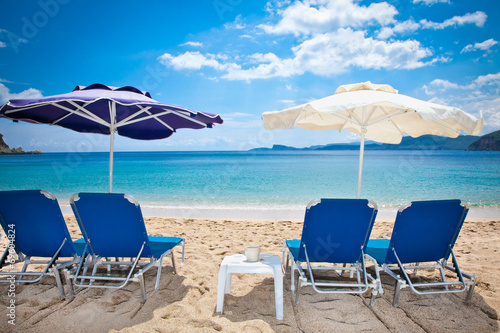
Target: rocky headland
[[6, 150]]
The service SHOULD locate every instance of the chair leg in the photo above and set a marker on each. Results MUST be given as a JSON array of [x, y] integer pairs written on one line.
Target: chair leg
[[283, 254], [297, 290], [109, 266], [373, 297], [94, 270], [415, 269], [377, 275], [396, 294], [69, 283], [173, 262], [143, 287], [157, 284], [60, 286], [443, 277], [470, 292], [183, 248]]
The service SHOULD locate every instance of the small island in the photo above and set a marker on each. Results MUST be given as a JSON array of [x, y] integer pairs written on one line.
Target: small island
[[6, 150]]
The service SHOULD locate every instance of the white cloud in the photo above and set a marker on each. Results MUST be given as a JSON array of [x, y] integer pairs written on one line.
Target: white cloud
[[431, 2], [484, 46], [191, 43], [6, 95], [405, 27], [309, 17], [332, 53], [478, 18], [490, 108], [195, 61], [236, 24], [2, 44], [489, 81], [410, 26], [324, 54], [439, 85]]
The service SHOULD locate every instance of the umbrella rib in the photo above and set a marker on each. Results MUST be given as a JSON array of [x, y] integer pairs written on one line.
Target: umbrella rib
[[390, 116], [141, 110], [156, 115], [354, 119], [82, 112], [360, 123], [447, 126], [92, 115], [189, 118], [161, 122], [148, 117], [21, 109]]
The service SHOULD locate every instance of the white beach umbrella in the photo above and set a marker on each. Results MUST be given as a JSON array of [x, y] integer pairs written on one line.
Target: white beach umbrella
[[375, 112]]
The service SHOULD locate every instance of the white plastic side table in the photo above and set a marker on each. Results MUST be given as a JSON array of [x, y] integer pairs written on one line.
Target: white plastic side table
[[237, 263]]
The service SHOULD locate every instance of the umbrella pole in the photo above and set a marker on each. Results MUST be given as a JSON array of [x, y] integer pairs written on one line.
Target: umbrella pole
[[112, 114], [361, 154], [111, 147]]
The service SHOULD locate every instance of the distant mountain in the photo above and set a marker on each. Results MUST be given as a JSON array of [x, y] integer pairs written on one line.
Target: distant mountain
[[279, 147], [487, 142], [431, 142], [5, 149], [424, 142]]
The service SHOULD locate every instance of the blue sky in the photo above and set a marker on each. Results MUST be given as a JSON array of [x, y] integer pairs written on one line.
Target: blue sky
[[240, 58]]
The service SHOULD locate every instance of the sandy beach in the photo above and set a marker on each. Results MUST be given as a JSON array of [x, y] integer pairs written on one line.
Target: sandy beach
[[186, 302]]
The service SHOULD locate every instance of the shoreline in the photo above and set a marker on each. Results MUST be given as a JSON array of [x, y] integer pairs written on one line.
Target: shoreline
[[264, 213]]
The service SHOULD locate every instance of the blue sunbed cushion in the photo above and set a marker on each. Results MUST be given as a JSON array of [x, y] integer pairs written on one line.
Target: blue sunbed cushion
[[79, 246], [377, 248], [160, 245], [293, 247]]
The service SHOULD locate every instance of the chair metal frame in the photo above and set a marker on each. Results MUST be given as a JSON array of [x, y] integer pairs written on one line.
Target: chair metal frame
[[53, 265], [305, 270], [131, 270], [404, 279]]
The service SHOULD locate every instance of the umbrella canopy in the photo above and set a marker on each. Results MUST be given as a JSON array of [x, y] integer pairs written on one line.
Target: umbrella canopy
[[375, 112], [105, 110]]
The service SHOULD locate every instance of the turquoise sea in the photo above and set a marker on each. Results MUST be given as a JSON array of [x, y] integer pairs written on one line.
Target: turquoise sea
[[254, 183]]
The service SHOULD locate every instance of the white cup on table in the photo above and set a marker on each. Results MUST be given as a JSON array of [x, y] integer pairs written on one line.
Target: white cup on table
[[252, 253]]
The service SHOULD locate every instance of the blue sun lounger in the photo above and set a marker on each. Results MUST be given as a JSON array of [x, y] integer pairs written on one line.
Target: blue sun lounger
[[37, 234], [334, 235], [423, 238], [113, 227]]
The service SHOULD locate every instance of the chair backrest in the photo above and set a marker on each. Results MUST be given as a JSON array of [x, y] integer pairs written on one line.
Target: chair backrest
[[32, 219], [112, 222], [426, 230], [335, 230]]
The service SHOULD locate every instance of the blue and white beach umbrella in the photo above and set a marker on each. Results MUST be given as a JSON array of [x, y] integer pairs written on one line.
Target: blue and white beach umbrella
[[105, 110]]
